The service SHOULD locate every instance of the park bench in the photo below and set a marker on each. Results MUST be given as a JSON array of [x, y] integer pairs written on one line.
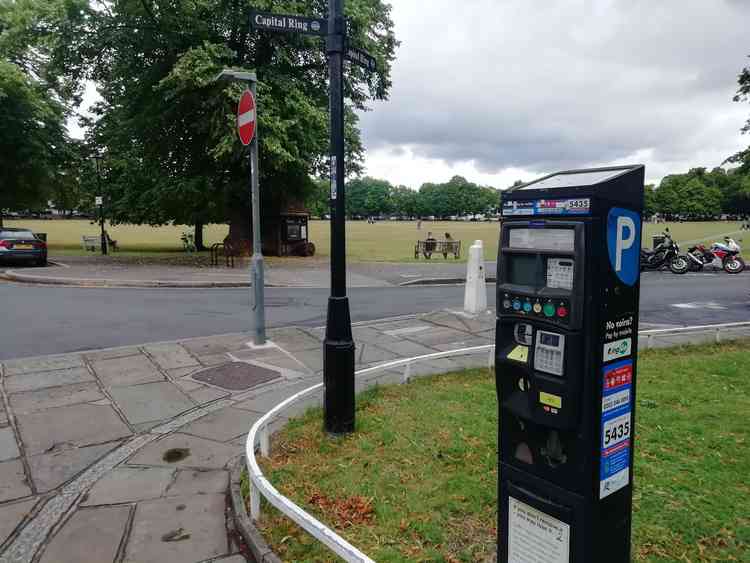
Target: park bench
[[429, 247], [94, 243], [91, 242]]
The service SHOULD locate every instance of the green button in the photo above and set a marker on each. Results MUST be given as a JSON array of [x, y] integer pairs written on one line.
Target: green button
[[549, 310]]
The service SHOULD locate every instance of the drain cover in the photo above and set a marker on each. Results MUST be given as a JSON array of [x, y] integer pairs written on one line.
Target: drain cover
[[236, 376]]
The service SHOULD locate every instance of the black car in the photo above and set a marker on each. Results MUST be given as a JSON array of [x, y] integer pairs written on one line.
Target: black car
[[21, 245]]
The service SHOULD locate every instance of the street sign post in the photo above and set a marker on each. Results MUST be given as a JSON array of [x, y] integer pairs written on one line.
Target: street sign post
[[246, 130], [338, 346], [100, 203]]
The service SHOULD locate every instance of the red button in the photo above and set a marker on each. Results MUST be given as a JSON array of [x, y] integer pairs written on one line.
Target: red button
[[562, 312]]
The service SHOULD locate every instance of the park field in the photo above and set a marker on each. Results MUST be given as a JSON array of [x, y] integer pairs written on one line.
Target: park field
[[391, 241], [417, 481]]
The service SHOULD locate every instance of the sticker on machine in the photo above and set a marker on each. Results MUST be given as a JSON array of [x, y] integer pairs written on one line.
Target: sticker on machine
[[617, 349], [534, 536], [616, 427]]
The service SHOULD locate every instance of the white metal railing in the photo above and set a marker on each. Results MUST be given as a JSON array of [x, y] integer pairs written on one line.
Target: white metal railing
[[259, 433]]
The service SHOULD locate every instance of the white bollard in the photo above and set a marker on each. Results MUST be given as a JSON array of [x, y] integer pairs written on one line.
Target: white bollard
[[475, 294]]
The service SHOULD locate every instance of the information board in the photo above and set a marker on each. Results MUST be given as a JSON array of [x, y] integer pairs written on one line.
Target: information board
[[534, 536]]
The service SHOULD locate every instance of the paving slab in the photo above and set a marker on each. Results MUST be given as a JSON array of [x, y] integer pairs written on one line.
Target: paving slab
[[50, 470], [130, 484], [466, 343], [369, 354], [151, 401], [460, 321], [80, 425], [8, 446], [31, 401], [193, 482], [294, 339], [206, 394], [237, 558], [92, 535], [437, 335], [41, 380], [202, 453], [44, 363], [170, 356], [205, 346], [223, 425], [178, 529], [266, 400], [13, 480], [12, 514], [129, 370], [214, 359], [112, 353], [311, 359]]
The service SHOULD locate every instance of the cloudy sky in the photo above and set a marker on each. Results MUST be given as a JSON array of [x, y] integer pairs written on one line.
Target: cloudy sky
[[499, 90]]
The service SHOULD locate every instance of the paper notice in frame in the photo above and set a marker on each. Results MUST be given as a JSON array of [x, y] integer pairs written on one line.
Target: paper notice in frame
[[333, 177], [535, 537]]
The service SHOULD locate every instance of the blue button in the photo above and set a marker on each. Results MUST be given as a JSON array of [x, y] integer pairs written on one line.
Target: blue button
[[516, 304], [527, 307]]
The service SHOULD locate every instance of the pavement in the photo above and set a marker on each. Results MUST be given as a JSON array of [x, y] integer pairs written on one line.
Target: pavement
[[121, 454], [305, 273]]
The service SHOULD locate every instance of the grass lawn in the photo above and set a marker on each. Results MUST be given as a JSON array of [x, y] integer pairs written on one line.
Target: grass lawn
[[391, 241], [417, 482]]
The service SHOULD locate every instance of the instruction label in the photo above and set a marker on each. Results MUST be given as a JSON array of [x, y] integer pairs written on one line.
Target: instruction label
[[617, 427], [536, 537], [580, 206], [618, 338], [519, 354]]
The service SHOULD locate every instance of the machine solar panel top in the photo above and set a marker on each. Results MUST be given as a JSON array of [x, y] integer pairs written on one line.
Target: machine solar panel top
[[573, 179]]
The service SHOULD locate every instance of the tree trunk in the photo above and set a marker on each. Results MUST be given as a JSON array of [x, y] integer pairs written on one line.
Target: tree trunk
[[240, 229], [1, 218], [199, 246]]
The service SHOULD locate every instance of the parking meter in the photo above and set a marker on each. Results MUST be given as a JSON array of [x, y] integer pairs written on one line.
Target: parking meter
[[568, 280]]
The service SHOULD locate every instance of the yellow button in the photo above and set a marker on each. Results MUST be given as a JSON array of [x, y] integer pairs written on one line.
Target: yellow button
[[537, 308]]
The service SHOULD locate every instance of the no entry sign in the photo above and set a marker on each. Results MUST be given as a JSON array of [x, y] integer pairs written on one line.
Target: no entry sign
[[246, 117]]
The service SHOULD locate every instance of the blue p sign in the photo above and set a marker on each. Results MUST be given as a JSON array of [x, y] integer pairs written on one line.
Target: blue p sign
[[624, 243]]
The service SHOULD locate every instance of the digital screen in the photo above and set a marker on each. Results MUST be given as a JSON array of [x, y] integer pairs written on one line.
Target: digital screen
[[523, 270], [574, 179], [548, 339], [542, 239]]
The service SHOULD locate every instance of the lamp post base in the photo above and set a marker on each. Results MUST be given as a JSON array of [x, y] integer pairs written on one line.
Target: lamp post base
[[338, 368]]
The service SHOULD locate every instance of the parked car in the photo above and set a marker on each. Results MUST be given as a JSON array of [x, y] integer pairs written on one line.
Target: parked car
[[22, 245]]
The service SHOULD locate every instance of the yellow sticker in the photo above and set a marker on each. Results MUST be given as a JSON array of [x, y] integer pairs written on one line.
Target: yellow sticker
[[550, 400], [519, 354]]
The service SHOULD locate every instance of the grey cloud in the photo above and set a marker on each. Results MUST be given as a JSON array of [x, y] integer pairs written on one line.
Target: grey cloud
[[543, 85]]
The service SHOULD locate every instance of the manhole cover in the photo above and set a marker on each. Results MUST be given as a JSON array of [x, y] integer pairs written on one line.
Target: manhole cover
[[236, 376]]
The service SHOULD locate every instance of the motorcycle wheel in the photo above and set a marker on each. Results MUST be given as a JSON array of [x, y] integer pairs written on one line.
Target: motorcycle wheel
[[734, 265], [679, 265]]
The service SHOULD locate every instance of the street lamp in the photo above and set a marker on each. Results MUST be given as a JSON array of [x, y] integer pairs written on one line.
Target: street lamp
[[228, 75], [100, 202]]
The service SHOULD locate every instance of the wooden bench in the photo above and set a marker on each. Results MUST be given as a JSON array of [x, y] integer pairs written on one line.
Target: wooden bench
[[429, 247], [91, 242]]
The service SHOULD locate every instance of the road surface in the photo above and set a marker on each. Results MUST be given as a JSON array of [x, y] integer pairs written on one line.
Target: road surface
[[39, 320]]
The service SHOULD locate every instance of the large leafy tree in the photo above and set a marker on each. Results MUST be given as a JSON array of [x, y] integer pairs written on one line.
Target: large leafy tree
[[35, 151], [165, 127]]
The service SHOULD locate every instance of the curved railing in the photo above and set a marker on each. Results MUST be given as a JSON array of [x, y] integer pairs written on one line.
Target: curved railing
[[259, 434]]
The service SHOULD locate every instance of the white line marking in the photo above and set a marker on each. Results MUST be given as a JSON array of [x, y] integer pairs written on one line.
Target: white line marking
[[712, 305]]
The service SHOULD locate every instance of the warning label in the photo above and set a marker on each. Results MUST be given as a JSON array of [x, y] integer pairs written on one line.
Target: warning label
[[616, 428], [536, 537]]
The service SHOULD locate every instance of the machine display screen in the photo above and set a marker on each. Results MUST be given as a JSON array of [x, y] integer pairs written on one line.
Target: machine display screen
[[542, 239], [548, 339], [523, 269]]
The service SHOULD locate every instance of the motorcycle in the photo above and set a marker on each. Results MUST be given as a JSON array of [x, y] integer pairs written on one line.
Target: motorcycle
[[720, 255], [663, 254]]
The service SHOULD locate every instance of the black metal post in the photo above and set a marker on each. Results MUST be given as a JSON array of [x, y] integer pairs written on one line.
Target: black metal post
[[338, 348], [103, 237]]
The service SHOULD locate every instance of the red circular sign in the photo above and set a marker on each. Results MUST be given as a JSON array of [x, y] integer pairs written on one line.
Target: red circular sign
[[246, 117]]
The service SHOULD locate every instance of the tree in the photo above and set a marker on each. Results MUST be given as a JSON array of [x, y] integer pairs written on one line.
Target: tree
[[317, 200], [167, 128], [368, 197], [32, 140], [649, 200], [34, 147]]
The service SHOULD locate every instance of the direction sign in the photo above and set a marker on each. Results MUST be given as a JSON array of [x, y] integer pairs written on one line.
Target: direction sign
[[246, 117], [288, 24], [361, 58], [98, 200]]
